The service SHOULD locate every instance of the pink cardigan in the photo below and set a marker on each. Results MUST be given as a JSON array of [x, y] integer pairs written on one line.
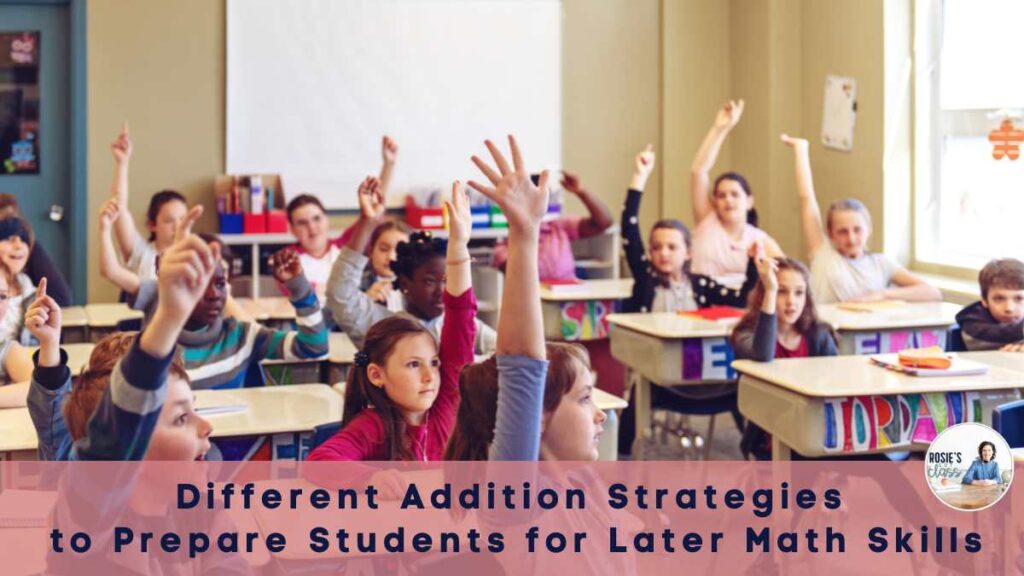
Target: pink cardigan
[[363, 437]]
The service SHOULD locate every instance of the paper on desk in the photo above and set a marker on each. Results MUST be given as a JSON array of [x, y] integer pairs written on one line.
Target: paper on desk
[[960, 366], [225, 409]]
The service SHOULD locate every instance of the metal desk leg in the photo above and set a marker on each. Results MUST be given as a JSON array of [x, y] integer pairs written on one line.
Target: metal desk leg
[[641, 398]]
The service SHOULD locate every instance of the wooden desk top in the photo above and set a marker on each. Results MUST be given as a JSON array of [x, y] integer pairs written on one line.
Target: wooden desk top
[[16, 430], [971, 497], [670, 325], [610, 289], [341, 350], [606, 401], [270, 308], [271, 409], [73, 317], [108, 315], [1009, 360], [836, 376], [910, 315]]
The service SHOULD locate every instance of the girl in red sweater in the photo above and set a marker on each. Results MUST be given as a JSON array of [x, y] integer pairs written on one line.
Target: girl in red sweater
[[403, 392]]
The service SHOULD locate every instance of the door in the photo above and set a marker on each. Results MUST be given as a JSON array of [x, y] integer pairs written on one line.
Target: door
[[35, 121]]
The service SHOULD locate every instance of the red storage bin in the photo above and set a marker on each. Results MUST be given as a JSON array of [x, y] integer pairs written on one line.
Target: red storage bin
[[254, 223], [423, 218], [277, 222]]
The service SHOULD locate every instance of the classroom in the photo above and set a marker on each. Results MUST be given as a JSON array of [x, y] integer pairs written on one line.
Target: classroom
[[708, 229]]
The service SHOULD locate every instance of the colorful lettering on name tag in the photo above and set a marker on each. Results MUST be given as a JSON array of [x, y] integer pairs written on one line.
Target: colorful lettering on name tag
[[708, 359], [866, 423], [586, 319], [887, 342]]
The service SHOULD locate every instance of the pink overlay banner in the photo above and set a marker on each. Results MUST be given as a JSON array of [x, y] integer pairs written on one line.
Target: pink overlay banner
[[619, 518]]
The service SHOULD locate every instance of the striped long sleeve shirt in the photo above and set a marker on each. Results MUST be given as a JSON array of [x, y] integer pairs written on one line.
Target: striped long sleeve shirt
[[220, 355]]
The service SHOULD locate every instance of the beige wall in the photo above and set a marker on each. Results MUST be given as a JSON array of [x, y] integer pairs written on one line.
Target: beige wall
[[160, 65], [635, 71]]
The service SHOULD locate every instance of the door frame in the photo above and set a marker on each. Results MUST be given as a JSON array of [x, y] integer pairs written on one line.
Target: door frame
[[78, 198]]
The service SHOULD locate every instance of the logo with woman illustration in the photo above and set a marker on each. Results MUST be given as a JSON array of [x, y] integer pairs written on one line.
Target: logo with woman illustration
[[969, 466]]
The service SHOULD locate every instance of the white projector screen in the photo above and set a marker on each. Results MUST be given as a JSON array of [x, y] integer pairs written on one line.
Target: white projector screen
[[313, 85]]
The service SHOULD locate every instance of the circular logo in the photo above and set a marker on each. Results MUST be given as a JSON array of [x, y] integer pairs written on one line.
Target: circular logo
[[969, 466]]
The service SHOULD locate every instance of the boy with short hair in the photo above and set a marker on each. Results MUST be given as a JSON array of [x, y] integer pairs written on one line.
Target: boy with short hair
[[997, 320]]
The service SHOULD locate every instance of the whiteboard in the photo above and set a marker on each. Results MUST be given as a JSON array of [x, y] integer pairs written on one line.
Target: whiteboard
[[313, 85]]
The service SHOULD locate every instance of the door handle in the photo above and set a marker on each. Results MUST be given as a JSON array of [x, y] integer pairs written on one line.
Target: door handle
[[56, 213]]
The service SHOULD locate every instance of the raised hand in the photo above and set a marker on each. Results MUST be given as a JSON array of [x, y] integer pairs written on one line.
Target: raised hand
[[460, 221], [511, 189], [43, 320], [286, 265], [729, 115], [185, 271], [643, 165], [371, 201], [767, 268], [380, 291], [109, 213], [571, 183], [797, 144], [388, 150], [184, 228], [122, 146]]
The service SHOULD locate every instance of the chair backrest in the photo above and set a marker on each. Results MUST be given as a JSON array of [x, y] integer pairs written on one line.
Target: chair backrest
[[956, 340], [324, 431], [1008, 420]]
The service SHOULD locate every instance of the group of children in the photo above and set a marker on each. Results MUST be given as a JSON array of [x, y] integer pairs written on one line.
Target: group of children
[[406, 300]]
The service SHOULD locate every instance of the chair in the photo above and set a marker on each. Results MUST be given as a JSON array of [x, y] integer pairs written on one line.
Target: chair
[[1008, 420], [324, 431], [956, 340]]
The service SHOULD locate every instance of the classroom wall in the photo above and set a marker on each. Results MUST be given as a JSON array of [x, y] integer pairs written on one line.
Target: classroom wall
[[635, 71], [160, 65]]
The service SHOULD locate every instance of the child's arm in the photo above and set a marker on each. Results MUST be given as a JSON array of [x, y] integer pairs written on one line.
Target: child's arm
[[123, 423], [458, 333], [700, 179], [389, 154], [127, 233], [17, 365], [51, 378], [310, 341], [907, 287], [350, 307], [632, 238], [810, 212], [522, 357], [600, 218], [110, 267], [760, 345]]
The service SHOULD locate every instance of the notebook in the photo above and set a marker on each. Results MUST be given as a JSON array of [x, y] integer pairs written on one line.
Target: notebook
[[959, 367]]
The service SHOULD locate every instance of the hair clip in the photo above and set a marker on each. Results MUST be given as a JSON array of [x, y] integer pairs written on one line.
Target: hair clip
[[362, 359]]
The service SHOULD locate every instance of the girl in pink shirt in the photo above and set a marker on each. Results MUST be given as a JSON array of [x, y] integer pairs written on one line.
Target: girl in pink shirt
[[726, 222], [403, 392]]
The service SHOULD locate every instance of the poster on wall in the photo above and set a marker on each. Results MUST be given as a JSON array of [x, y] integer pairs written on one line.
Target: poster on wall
[[840, 113], [19, 103]]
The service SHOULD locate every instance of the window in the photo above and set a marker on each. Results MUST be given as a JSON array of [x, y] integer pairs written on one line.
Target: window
[[969, 206]]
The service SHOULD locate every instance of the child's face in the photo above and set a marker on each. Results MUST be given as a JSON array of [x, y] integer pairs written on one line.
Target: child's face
[[5, 295], [168, 219], [14, 253], [211, 305], [309, 225], [573, 430], [849, 232], [411, 376], [384, 251], [668, 250], [792, 297], [1005, 304], [424, 293], [731, 201], [180, 433]]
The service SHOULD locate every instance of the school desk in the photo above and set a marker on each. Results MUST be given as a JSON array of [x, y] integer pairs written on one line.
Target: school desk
[[842, 405], [581, 316], [331, 368], [272, 422], [275, 311], [74, 324], [669, 349], [911, 325], [965, 497], [78, 355], [103, 318], [1009, 360]]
